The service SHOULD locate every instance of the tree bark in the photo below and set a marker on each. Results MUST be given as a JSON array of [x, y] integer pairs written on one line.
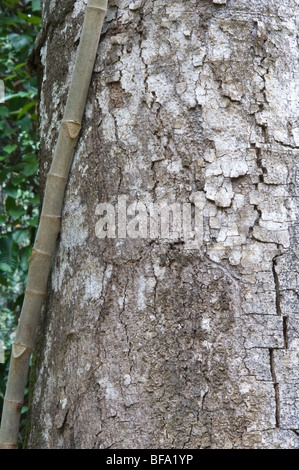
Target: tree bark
[[148, 343]]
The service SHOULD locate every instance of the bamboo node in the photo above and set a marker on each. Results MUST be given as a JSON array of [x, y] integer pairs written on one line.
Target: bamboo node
[[96, 8], [35, 292], [55, 175], [33, 253], [73, 128], [36, 251], [53, 217], [18, 350], [98, 4]]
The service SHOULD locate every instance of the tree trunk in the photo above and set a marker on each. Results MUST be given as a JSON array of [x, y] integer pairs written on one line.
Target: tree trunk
[[152, 342]]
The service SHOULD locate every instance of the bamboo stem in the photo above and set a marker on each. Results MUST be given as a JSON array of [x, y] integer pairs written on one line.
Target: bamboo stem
[[49, 225]]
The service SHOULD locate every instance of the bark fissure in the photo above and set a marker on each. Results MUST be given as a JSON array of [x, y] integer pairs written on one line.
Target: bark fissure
[[276, 388], [276, 284], [286, 331]]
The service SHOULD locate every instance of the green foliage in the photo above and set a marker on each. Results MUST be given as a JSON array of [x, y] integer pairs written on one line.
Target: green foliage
[[19, 25]]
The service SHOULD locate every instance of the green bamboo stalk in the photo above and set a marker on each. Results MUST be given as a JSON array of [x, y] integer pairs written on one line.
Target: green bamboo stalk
[[49, 225]]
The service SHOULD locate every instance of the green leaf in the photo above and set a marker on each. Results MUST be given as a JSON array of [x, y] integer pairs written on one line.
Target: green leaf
[[25, 123], [34, 200], [4, 173], [10, 148], [25, 109], [8, 131], [20, 94], [11, 191], [8, 79], [33, 222], [29, 157], [30, 169], [13, 210], [9, 252], [4, 111], [3, 281], [31, 166], [21, 235], [35, 5], [25, 254], [30, 18], [16, 180], [17, 67], [11, 2], [5, 267], [19, 41]]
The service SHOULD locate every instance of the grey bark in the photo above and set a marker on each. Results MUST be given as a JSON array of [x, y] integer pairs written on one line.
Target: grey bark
[[145, 343]]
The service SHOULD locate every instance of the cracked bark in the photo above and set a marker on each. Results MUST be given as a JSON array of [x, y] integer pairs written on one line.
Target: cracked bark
[[276, 388], [145, 344]]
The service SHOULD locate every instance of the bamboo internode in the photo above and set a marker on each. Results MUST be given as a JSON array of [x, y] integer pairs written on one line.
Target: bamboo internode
[[49, 225]]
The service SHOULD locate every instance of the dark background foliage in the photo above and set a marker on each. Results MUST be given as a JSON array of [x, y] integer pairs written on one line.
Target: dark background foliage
[[19, 201]]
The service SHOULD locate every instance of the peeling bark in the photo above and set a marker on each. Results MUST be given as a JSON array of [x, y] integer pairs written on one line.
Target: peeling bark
[[144, 343]]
